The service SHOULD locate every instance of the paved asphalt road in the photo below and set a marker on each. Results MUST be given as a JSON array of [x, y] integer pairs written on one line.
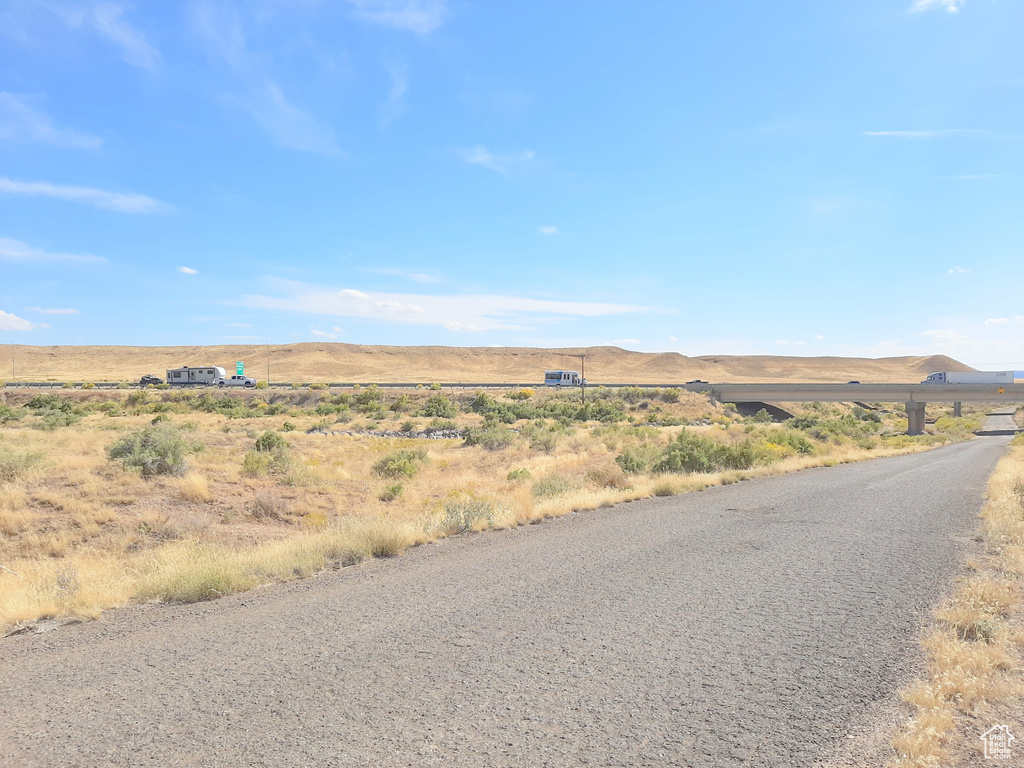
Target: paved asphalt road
[[766, 623]]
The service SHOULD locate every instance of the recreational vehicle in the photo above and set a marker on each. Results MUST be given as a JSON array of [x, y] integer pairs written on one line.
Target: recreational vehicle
[[563, 379], [204, 375]]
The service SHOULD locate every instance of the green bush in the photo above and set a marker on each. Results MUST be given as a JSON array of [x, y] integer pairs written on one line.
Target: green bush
[[763, 417], [400, 464], [518, 475], [439, 406], [691, 452], [552, 485], [8, 414], [391, 492], [269, 442], [154, 450], [492, 437]]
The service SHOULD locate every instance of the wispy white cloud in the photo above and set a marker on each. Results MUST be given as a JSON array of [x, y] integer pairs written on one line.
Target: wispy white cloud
[[53, 311], [395, 104], [9, 322], [502, 163], [998, 321], [549, 230], [950, 6], [288, 125], [15, 251], [21, 122], [188, 271], [416, 277], [100, 198], [958, 271], [419, 16], [473, 312], [106, 19]]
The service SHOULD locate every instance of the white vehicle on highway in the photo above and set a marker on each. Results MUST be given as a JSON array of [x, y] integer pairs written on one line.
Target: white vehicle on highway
[[970, 377], [197, 376], [563, 379], [236, 381]]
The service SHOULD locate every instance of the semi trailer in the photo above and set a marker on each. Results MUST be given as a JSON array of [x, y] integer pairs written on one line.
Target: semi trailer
[[970, 377]]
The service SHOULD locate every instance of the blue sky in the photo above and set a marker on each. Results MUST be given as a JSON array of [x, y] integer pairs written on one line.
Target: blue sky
[[799, 177]]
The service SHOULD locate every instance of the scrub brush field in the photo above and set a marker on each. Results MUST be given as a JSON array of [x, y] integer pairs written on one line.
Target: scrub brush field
[[110, 498]]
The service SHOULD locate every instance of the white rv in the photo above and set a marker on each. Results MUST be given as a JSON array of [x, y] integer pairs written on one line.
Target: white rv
[[563, 379], [203, 375]]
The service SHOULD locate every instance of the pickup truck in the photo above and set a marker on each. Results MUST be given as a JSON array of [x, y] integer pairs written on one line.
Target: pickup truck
[[236, 381]]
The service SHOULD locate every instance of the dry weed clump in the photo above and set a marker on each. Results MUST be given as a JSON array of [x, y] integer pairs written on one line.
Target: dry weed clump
[[975, 652]]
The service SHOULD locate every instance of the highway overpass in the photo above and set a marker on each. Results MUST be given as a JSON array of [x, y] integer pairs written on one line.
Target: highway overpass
[[914, 395]]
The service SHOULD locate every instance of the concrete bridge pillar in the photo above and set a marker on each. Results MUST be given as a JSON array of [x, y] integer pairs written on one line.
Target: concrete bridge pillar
[[915, 418], [957, 410]]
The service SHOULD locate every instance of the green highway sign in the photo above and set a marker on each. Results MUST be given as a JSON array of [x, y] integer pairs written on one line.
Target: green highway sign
[[240, 368]]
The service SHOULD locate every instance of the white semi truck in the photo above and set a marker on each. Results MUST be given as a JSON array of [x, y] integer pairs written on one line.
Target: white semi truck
[[970, 377]]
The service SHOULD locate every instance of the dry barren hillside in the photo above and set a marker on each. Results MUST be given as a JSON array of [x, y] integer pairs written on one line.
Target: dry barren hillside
[[326, 362]]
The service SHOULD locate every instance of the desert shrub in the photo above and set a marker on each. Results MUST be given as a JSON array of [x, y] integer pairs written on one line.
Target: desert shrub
[[255, 464], [154, 450], [691, 452], [268, 505], [631, 394], [318, 385], [435, 387], [15, 464], [402, 404], [632, 461], [638, 456], [542, 437], [789, 438], [518, 475], [763, 417], [408, 426], [439, 406], [400, 464], [369, 396], [493, 437], [287, 427], [607, 477], [670, 396], [522, 394], [552, 485], [462, 514], [390, 492], [8, 414], [269, 442]]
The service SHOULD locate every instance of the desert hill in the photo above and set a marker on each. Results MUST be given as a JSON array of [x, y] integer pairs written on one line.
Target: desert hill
[[327, 362]]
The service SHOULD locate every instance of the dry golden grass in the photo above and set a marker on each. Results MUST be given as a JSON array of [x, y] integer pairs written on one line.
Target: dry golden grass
[[975, 651], [84, 534]]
